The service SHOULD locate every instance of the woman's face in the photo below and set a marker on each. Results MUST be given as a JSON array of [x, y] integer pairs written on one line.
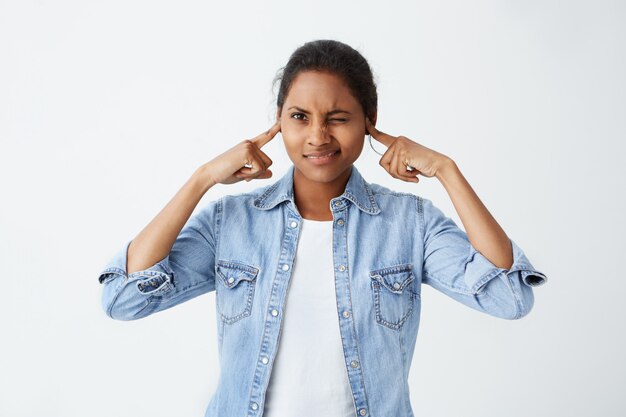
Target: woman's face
[[320, 115]]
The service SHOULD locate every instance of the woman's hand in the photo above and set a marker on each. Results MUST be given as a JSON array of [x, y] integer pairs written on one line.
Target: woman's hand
[[402, 154], [243, 161]]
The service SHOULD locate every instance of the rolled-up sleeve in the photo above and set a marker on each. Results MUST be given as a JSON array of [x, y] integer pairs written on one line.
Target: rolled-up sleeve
[[186, 272], [453, 266]]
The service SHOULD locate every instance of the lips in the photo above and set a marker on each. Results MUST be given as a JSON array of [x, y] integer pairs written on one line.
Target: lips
[[321, 154]]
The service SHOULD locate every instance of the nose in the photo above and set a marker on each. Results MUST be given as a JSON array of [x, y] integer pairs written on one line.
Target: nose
[[319, 134]]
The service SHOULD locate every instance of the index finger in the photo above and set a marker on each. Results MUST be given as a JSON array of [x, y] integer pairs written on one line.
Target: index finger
[[382, 137], [268, 135]]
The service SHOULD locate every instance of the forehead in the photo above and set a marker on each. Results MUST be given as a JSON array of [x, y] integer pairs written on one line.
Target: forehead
[[318, 91]]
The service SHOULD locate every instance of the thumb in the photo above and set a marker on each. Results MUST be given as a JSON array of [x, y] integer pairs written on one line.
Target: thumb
[[266, 174]]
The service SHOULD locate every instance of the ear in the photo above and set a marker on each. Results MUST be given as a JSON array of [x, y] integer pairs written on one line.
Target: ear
[[278, 114], [373, 119], [374, 116]]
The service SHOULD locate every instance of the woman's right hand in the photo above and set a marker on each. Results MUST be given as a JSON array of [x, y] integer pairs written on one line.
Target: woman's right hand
[[243, 161]]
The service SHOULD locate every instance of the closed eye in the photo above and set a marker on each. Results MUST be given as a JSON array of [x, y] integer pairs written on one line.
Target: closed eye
[[303, 115]]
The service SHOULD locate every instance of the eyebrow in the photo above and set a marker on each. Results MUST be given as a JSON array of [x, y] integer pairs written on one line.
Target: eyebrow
[[334, 111]]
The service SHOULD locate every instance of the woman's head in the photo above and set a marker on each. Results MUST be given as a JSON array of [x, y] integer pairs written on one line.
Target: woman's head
[[336, 58], [326, 91]]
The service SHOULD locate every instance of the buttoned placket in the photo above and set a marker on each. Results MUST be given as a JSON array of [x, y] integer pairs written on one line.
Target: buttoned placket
[[342, 287], [273, 325], [273, 322]]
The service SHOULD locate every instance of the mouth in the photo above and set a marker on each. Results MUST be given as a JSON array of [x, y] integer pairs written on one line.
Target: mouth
[[320, 158], [320, 154]]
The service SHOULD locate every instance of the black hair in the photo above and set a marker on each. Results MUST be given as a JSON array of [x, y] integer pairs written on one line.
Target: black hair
[[334, 57]]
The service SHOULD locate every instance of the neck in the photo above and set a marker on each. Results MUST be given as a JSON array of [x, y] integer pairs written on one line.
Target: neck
[[313, 197]]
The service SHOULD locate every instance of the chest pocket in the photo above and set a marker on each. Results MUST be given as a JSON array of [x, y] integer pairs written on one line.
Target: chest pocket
[[394, 295], [234, 290]]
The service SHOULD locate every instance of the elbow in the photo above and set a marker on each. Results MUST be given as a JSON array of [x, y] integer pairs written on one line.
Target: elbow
[[511, 312], [525, 302], [520, 305], [124, 311], [124, 315], [123, 302], [499, 300]]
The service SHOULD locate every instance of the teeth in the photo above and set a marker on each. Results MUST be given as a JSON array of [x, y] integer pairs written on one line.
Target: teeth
[[322, 156]]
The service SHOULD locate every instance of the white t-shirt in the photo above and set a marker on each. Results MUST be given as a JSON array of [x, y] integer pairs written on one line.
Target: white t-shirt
[[309, 376]]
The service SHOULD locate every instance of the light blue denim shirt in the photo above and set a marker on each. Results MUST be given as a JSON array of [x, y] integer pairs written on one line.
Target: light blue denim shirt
[[386, 244]]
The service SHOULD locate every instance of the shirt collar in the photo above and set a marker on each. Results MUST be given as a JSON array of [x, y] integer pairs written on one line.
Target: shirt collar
[[357, 191]]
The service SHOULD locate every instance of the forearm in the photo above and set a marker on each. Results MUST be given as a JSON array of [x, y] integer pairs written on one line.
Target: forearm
[[483, 232], [155, 241]]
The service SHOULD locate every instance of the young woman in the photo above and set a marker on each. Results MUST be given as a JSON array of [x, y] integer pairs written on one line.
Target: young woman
[[318, 275]]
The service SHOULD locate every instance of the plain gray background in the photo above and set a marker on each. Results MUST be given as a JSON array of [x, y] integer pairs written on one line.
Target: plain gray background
[[106, 109]]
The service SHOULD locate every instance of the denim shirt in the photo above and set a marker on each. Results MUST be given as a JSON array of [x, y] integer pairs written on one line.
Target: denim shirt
[[386, 244]]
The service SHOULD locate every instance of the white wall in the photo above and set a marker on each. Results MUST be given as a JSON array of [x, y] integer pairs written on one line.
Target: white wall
[[106, 108]]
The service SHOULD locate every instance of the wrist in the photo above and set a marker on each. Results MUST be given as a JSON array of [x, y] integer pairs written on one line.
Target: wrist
[[447, 167], [202, 178]]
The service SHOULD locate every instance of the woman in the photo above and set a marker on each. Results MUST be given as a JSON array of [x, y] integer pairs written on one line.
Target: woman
[[350, 255]]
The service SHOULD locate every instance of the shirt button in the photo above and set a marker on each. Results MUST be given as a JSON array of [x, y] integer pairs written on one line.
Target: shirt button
[[396, 285], [285, 267], [362, 411], [274, 312], [264, 359], [354, 364], [293, 224], [346, 313], [340, 222], [231, 280], [342, 268], [254, 406], [337, 203]]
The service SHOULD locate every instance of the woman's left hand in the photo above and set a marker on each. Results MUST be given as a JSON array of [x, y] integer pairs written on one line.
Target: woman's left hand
[[402, 153]]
